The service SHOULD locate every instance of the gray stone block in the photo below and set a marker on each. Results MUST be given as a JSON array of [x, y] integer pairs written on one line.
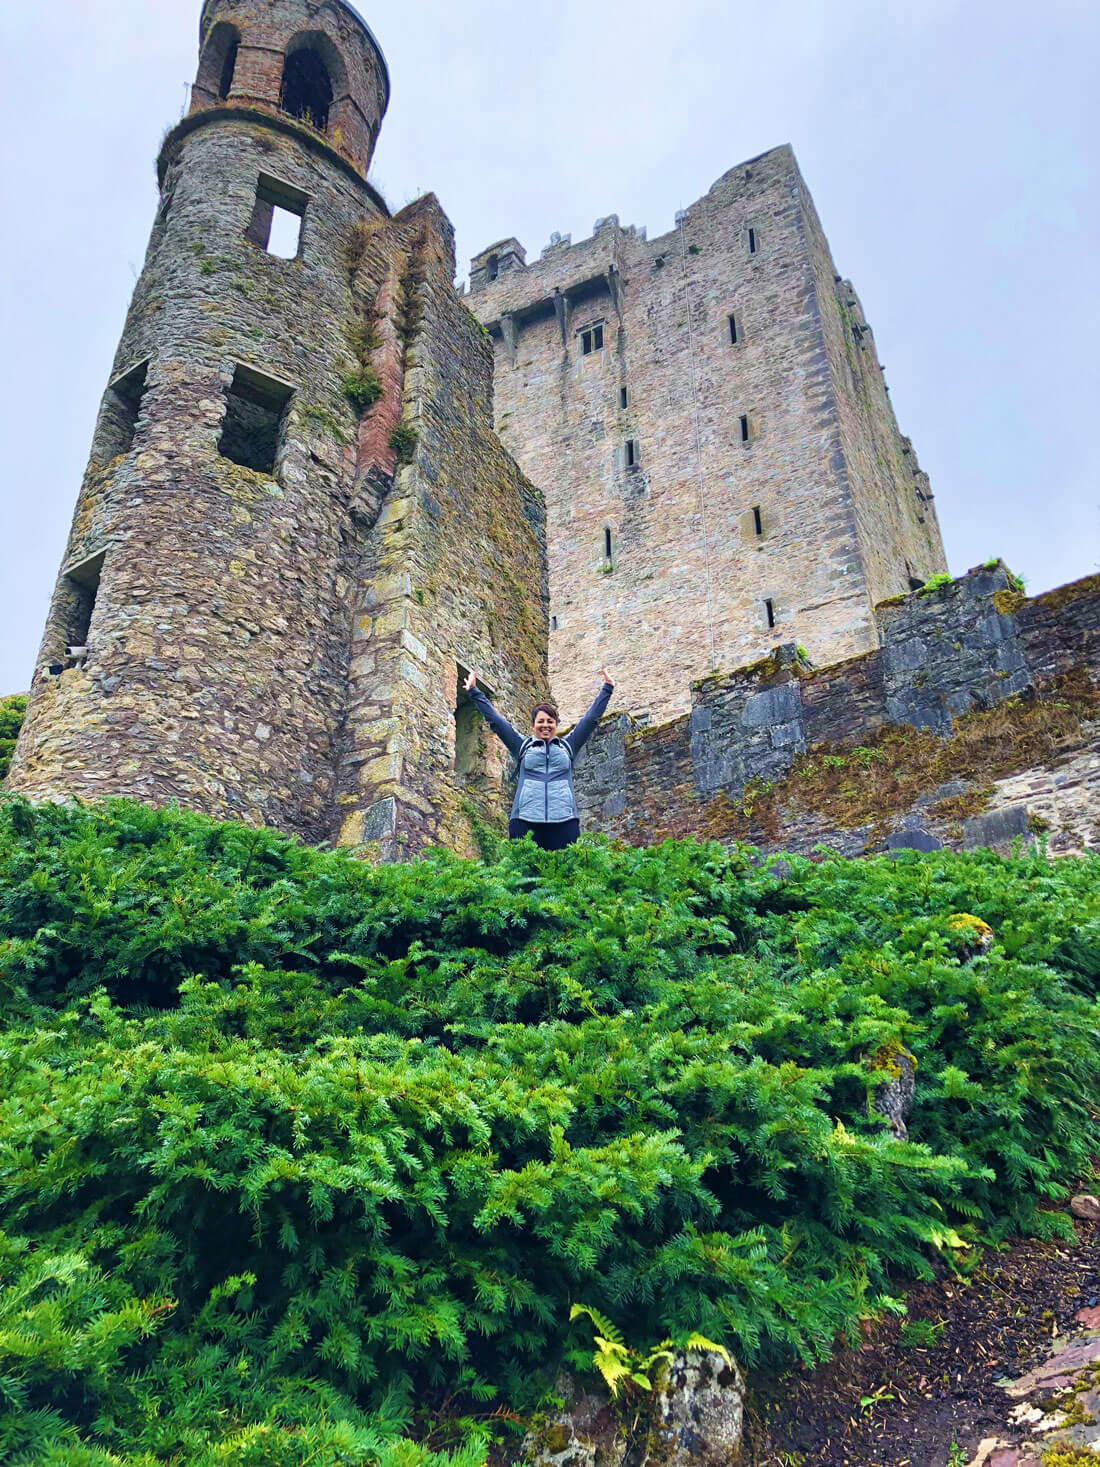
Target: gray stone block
[[913, 840], [787, 735], [380, 820], [996, 827], [773, 705]]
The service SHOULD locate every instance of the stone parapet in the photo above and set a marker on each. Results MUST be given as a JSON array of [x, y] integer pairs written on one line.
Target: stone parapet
[[974, 723]]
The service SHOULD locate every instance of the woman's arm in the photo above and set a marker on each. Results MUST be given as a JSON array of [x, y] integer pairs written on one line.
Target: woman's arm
[[511, 738], [579, 736]]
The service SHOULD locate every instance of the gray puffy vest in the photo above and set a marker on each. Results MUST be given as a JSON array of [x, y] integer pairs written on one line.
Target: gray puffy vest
[[544, 789]]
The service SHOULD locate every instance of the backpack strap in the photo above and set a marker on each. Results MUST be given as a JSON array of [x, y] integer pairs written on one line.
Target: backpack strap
[[528, 741]]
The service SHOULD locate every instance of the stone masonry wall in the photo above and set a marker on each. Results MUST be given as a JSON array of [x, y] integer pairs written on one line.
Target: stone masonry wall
[[844, 513], [264, 33], [975, 723], [266, 642], [451, 575]]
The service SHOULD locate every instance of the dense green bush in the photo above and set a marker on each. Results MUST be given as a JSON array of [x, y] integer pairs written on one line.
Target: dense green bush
[[302, 1160], [11, 721]]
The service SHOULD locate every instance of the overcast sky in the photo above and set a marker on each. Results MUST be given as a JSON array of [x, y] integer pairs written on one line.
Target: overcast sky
[[950, 145]]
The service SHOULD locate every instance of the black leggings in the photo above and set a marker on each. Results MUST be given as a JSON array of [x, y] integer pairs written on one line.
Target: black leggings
[[549, 835]]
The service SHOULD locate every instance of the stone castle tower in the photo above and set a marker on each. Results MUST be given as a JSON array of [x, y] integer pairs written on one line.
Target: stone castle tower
[[707, 418], [297, 528]]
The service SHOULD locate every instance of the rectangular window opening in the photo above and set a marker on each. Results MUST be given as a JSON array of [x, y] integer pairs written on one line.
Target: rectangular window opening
[[553, 623], [254, 411], [769, 611], [757, 522], [631, 453], [744, 421], [733, 330], [591, 340], [277, 218], [752, 241], [80, 587], [121, 407], [607, 544], [622, 397]]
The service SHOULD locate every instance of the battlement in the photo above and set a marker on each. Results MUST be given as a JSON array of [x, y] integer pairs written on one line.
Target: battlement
[[563, 264]]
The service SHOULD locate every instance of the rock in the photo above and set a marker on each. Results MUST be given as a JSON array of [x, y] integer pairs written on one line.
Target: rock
[[698, 1413], [586, 1430], [892, 1097], [694, 1418], [1085, 1206]]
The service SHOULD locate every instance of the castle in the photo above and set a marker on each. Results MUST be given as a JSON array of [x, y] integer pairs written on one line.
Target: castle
[[324, 484], [707, 418]]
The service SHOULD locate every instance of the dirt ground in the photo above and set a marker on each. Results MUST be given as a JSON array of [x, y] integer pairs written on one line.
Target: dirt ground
[[927, 1397]]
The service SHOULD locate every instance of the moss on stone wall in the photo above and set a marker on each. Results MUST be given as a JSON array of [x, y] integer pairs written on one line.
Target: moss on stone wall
[[865, 784], [12, 710]]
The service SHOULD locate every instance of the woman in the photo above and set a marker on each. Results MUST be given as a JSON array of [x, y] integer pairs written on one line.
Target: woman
[[545, 802]]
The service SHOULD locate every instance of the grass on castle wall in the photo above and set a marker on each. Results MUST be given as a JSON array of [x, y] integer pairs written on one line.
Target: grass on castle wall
[[305, 1161]]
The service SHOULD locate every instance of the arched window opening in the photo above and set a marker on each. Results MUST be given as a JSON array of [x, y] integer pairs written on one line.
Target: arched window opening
[[307, 88], [229, 66], [219, 61], [493, 267]]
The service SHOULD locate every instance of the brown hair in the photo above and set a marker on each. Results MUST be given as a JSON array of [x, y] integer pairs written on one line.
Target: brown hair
[[547, 708]]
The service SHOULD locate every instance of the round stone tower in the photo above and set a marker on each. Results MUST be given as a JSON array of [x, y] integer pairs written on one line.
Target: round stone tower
[[197, 642]]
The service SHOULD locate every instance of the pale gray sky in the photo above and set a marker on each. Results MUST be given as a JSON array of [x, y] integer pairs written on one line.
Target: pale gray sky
[[950, 145]]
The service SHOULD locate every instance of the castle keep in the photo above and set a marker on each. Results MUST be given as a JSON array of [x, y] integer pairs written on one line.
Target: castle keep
[[707, 418], [297, 528]]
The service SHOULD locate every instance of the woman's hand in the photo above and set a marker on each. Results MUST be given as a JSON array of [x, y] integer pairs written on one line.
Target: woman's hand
[[607, 677], [471, 682]]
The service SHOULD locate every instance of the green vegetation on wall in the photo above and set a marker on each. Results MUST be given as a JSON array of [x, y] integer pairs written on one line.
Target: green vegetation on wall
[[12, 710], [307, 1161]]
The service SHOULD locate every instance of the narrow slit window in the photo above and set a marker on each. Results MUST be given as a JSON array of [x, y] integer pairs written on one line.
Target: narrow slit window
[[607, 544], [623, 399], [553, 623], [735, 335], [121, 408], [752, 241], [744, 422], [769, 612], [254, 413], [757, 522], [631, 453], [277, 218]]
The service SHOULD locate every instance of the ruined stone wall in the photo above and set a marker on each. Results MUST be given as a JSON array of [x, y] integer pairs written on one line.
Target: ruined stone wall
[[451, 576], [296, 517], [976, 722], [687, 587]]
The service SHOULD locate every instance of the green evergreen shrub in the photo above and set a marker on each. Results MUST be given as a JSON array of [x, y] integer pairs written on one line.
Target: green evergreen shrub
[[12, 710], [305, 1160]]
